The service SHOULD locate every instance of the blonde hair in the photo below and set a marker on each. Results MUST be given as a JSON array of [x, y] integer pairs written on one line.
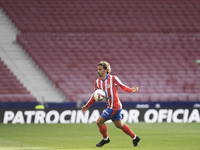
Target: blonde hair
[[105, 65]]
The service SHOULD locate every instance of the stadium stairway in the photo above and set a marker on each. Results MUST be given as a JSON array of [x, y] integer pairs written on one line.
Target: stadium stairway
[[22, 66]]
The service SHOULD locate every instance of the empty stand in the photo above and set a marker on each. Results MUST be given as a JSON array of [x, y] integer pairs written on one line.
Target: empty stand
[[11, 90], [160, 64], [152, 44], [104, 16]]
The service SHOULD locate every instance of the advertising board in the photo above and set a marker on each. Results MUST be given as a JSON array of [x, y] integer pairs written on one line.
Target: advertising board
[[66, 116]]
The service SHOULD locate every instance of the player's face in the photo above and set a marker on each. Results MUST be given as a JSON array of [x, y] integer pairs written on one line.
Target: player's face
[[101, 71]]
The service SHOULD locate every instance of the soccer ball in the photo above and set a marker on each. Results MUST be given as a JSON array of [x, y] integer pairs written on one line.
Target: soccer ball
[[99, 95]]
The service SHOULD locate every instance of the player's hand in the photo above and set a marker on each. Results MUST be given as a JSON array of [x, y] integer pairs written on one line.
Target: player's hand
[[84, 109], [135, 89]]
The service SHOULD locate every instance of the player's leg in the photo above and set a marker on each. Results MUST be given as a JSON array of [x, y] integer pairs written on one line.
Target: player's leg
[[103, 129], [126, 129]]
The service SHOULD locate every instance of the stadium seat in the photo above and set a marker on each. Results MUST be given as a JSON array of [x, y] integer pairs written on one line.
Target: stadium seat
[[11, 90]]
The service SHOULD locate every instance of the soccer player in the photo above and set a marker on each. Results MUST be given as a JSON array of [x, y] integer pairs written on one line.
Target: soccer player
[[109, 84]]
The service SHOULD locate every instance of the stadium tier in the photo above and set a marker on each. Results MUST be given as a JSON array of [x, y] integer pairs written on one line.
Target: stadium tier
[[10, 87], [104, 16], [152, 44], [162, 65]]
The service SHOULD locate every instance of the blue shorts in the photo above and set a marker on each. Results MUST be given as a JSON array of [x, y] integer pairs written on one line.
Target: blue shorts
[[112, 114]]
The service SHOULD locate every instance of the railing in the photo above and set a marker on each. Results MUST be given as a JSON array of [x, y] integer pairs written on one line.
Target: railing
[[149, 97]]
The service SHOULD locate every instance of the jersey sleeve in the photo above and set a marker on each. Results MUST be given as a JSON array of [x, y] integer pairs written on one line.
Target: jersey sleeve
[[91, 100], [121, 85]]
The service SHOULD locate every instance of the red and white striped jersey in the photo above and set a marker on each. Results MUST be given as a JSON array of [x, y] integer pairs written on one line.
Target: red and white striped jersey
[[109, 85]]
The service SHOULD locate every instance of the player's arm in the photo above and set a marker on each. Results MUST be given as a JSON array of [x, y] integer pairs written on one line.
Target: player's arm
[[89, 103], [124, 87]]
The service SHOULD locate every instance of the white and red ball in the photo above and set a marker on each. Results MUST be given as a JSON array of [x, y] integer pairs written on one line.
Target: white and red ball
[[99, 95]]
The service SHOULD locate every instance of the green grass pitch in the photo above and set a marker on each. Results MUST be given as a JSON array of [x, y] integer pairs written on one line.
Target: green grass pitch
[[157, 136]]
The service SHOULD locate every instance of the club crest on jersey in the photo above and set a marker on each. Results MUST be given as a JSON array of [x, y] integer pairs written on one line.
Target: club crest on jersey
[[108, 86]]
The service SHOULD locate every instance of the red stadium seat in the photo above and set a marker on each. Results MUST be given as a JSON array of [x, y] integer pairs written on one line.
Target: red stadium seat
[[10, 88]]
